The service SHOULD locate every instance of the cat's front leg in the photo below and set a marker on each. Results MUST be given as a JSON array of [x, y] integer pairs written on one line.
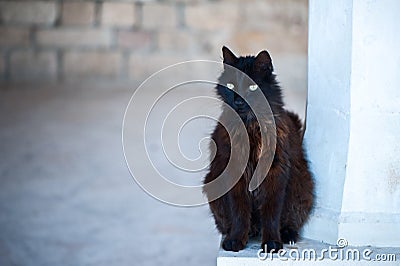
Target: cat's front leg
[[270, 210], [240, 206], [221, 214]]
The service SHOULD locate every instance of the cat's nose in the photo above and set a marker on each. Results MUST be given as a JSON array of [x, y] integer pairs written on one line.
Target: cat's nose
[[239, 102]]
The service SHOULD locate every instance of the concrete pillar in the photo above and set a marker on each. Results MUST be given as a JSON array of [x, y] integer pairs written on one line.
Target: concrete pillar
[[353, 121]]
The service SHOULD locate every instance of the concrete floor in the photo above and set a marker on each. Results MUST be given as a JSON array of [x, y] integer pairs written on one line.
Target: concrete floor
[[66, 196]]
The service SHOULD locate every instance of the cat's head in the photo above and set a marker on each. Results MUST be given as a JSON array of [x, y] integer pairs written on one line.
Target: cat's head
[[259, 75]]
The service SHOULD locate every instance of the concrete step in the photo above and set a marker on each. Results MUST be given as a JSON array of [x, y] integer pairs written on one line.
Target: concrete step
[[311, 252]]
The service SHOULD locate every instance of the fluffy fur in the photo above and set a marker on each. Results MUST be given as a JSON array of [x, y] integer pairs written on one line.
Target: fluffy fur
[[279, 207]]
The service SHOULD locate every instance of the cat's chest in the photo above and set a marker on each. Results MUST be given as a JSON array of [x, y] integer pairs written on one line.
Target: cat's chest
[[248, 148], [254, 136], [253, 157]]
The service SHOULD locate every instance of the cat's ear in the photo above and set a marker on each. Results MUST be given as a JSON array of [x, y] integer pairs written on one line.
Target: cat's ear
[[229, 57], [263, 62]]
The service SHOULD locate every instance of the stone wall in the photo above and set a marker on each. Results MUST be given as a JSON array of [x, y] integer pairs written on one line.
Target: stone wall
[[130, 39]]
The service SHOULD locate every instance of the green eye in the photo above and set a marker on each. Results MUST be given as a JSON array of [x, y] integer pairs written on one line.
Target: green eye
[[253, 87], [230, 86]]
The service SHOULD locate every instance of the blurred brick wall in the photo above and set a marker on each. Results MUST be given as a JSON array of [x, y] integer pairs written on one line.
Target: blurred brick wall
[[130, 39]]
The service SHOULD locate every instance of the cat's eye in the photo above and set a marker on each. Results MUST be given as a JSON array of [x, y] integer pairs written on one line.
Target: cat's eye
[[230, 86], [253, 87]]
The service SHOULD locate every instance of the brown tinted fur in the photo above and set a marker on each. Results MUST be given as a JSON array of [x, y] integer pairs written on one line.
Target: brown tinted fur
[[281, 204]]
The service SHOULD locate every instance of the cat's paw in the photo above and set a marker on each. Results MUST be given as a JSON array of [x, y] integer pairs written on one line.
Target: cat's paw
[[288, 235], [271, 246], [233, 244]]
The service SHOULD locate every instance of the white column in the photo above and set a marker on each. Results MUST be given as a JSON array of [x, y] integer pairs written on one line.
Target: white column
[[353, 121]]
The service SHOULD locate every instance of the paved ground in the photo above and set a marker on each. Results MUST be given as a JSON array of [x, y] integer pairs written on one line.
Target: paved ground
[[66, 196]]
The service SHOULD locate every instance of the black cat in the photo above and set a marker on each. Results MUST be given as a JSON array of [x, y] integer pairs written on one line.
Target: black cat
[[281, 204]]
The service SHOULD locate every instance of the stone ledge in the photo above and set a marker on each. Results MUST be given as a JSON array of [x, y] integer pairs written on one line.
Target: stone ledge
[[249, 256]]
